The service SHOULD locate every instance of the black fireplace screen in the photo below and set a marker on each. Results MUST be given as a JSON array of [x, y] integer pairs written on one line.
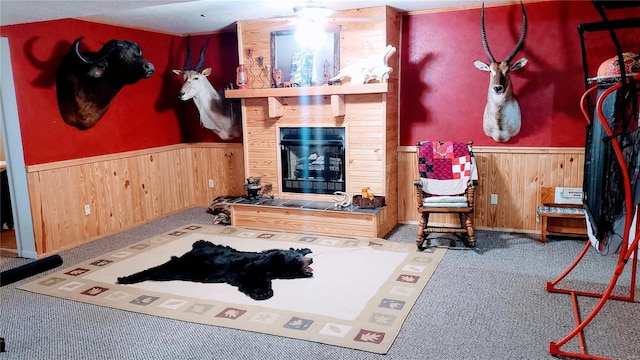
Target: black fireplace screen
[[312, 159]]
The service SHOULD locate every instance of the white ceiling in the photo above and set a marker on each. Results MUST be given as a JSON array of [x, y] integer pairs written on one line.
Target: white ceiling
[[182, 17]]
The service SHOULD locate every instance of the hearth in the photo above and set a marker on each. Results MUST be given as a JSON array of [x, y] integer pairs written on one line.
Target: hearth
[[312, 159]]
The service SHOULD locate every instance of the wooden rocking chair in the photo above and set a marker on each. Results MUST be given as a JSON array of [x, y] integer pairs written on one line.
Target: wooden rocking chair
[[447, 179]]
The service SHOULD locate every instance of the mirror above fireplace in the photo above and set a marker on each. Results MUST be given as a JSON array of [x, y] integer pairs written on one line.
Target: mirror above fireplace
[[304, 66]]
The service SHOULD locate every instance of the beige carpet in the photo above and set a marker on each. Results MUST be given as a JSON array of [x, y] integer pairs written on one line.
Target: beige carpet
[[359, 296]]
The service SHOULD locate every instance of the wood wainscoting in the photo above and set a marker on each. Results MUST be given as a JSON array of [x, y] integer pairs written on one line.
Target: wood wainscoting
[[126, 189], [516, 175]]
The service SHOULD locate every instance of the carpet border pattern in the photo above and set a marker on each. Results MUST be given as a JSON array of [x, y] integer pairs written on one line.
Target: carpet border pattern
[[374, 330]]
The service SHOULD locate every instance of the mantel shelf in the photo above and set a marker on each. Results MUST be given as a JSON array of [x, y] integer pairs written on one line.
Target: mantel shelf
[[308, 91], [274, 96]]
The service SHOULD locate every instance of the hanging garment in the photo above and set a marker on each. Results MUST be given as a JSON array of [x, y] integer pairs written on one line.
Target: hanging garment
[[604, 196]]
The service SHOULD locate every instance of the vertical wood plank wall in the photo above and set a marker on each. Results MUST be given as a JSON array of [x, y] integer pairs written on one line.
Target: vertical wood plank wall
[[126, 189], [365, 145], [371, 120], [516, 175]]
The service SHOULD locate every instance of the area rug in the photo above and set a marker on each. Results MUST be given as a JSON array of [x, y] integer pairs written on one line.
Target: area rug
[[360, 294]]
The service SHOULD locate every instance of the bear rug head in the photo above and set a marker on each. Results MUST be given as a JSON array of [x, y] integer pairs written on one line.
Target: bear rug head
[[251, 272]]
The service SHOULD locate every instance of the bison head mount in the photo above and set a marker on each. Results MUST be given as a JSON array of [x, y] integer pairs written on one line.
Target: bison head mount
[[87, 82]]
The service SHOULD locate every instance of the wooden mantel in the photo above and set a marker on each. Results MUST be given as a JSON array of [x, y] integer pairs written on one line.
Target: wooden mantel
[[337, 93], [309, 91]]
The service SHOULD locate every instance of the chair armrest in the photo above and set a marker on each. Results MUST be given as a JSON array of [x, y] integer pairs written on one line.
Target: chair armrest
[[419, 194], [471, 192]]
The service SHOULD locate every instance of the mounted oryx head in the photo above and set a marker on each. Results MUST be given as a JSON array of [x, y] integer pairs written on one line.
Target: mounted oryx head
[[501, 119], [216, 113]]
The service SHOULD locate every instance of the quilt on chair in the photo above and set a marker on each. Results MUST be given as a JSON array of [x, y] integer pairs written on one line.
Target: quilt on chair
[[445, 167]]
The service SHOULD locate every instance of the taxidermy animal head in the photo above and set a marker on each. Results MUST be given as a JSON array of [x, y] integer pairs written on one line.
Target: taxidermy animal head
[[501, 119], [217, 113], [87, 82]]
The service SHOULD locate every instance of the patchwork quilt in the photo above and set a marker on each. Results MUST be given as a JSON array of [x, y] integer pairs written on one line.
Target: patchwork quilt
[[445, 167]]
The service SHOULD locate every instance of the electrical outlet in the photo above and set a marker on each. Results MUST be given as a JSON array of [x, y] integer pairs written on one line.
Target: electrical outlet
[[87, 209], [210, 183], [494, 199]]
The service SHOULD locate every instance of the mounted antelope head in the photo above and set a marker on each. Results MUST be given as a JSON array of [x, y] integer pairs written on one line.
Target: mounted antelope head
[[501, 119], [216, 112]]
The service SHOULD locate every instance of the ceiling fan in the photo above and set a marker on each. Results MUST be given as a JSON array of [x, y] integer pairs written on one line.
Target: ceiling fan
[[311, 14], [312, 9], [310, 20], [318, 11]]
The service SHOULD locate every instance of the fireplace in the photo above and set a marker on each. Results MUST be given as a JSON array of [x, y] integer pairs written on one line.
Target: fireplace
[[312, 159]]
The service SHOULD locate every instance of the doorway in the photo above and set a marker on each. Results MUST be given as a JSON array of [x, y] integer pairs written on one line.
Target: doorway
[[8, 246], [14, 155]]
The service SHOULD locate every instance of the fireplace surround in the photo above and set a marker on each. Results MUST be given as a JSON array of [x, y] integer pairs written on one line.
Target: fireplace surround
[[367, 112], [312, 159]]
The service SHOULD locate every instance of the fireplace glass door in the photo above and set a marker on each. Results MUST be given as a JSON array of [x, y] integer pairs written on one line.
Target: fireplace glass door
[[312, 159]]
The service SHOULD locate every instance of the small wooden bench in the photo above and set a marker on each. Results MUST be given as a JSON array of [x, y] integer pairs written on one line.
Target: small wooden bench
[[560, 218]]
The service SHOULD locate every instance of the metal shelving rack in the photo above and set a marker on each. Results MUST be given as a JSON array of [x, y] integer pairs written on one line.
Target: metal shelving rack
[[626, 89]]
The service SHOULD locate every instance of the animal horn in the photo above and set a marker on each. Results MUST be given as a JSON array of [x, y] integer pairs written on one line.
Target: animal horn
[[485, 44], [201, 61], [87, 59], [187, 61], [522, 36], [390, 51]]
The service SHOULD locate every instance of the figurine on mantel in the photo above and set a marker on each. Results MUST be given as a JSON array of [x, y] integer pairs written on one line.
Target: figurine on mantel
[[325, 73], [277, 78], [369, 69]]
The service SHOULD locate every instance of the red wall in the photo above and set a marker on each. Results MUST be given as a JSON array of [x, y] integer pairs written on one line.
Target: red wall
[[443, 95], [143, 115]]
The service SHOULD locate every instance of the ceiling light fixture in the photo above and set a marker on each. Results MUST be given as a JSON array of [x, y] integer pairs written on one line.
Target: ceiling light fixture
[[312, 9], [310, 30]]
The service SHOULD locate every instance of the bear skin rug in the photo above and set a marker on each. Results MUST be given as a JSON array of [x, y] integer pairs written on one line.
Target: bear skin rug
[[251, 272]]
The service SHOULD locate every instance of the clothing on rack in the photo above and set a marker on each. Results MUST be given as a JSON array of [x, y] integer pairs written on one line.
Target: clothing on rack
[[604, 196]]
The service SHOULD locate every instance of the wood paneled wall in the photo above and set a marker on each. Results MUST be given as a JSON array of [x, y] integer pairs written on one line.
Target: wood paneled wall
[[516, 175], [358, 39], [126, 189], [371, 120]]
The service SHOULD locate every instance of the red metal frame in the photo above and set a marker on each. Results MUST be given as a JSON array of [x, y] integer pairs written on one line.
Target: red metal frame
[[625, 254]]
